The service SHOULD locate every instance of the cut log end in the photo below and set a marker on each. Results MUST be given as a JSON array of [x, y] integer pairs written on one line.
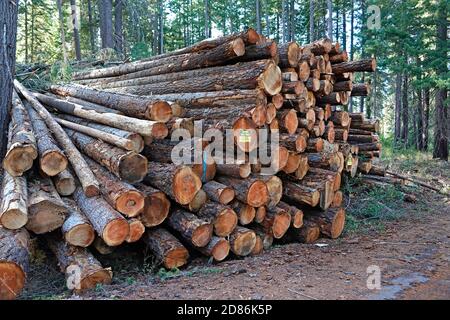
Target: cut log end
[[130, 203], [45, 216], [270, 80], [133, 168], [19, 160], [81, 235], [281, 224], [12, 280], [221, 250], [238, 46], [260, 214], [202, 235], [243, 242], [91, 191], [101, 276], [137, 229], [160, 111], [227, 195], [186, 184], [176, 258], [156, 209], [13, 219], [245, 134], [225, 222], [257, 194], [338, 224], [159, 130], [116, 232], [52, 163]]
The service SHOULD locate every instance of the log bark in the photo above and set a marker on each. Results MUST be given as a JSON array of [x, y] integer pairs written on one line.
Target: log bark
[[46, 211], [76, 229], [288, 121], [341, 118], [107, 222], [303, 70], [85, 175], [299, 193], [87, 105], [234, 170], [64, 183], [288, 54], [343, 86], [14, 202], [196, 231], [21, 149], [293, 142], [259, 51], [223, 218], [277, 220], [338, 58], [368, 65], [266, 237], [180, 183], [219, 192], [52, 159], [360, 90], [166, 248], [308, 233], [251, 191], [319, 47], [144, 127], [127, 165], [135, 138], [325, 160], [295, 213], [217, 247], [156, 206], [330, 222], [120, 195], [75, 260], [14, 262], [245, 213], [242, 241]]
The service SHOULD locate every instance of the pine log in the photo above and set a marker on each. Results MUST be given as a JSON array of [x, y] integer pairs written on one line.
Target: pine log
[[360, 90], [64, 183], [196, 231], [374, 146], [180, 183], [77, 230], [107, 222], [219, 192], [290, 75], [242, 241], [330, 222], [137, 230], [46, 211], [52, 159], [80, 262], [294, 87], [259, 51], [308, 233], [338, 58], [156, 206], [341, 135], [197, 203], [144, 127], [293, 142], [85, 175], [295, 213], [315, 145], [127, 165], [343, 86], [102, 247], [234, 170], [277, 220], [325, 160], [369, 125], [167, 249], [259, 246], [378, 171], [288, 120], [175, 124], [260, 214], [271, 113], [313, 84], [368, 65], [136, 139], [275, 187], [303, 70], [223, 218], [14, 201], [266, 237], [21, 149], [300, 193], [88, 105], [338, 199], [302, 168], [320, 46], [121, 195], [277, 100], [333, 98], [245, 213], [251, 191], [292, 163], [192, 60], [14, 262], [364, 166], [341, 118], [288, 54]]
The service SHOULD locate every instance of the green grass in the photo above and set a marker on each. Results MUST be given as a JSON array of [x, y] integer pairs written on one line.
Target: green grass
[[164, 274]]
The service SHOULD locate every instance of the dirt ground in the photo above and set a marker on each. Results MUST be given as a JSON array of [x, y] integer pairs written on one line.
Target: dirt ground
[[413, 255]]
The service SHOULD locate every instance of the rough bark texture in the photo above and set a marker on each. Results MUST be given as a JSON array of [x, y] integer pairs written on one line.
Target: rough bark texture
[[22, 149], [222, 217], [14, 202], [330, 222], [196, 231], [246, 214], [166, 248], [107, 222], [14, 261], [300, 194], [126, 165], [217, 247], [77, 230], [252, 191], [219, 192], [368, 65]]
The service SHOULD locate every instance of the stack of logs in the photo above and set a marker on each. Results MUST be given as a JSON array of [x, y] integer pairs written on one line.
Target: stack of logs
[[104, 174]]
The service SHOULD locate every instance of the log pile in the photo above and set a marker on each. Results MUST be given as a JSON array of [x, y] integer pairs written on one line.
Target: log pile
[[106, 172]]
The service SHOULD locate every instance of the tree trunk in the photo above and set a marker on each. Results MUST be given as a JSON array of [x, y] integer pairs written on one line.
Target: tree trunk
[[8, 31], [427, 118], [311, 21], [120, 195], [83, 271], [138, 107], [77, 230], [330, 222], [251, 191], [242, 241], [368, 65], [330, 20], [218, 248], [85, 175], [14, 257], [301, 194], [14, 202], [405, 111], [52, 160], [112, 227], [223, 218], [246, 214], [258, 16], [420, 120], [61, 30], [118, 29], [219, 192], [91, 27], [47, 212], [180, 183], [76, 33], [196, 231], [106, 25], [166, 248], [126, 165], [156, 207], [22, 148], [235, 170], [64, 183]]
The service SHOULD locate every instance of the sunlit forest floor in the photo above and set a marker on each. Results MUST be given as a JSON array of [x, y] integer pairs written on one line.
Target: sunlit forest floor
[[408, 241]]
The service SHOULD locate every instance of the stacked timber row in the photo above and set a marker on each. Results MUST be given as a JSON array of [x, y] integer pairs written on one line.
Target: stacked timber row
[[90, 164]]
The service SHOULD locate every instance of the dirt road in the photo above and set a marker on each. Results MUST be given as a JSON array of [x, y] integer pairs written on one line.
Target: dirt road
[[413, 257]]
